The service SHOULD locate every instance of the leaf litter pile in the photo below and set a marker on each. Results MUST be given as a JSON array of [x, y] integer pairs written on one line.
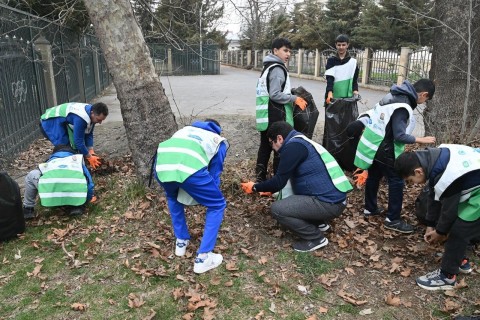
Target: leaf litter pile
[[126, 239]]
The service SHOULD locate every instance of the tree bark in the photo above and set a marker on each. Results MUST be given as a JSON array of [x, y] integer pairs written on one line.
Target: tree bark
[[453, 112], [146, 112]]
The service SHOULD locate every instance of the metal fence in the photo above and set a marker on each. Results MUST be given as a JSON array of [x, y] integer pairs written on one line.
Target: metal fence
[[189, 60], [384, 69], [23, 81]]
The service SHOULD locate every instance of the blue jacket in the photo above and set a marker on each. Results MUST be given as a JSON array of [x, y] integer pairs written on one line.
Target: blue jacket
[[300, 162], [90, 184], [56, 130]]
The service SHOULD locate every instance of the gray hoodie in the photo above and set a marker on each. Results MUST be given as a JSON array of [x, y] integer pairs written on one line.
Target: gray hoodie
[[276, 80]]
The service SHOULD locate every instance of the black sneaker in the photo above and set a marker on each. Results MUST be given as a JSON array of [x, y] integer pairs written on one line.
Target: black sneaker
[[77, 211], [398, 225], [377, 212], [310, 245], [28, 213]]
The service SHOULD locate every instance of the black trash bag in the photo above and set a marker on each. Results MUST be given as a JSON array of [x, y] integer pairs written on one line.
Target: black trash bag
[[421, 204], [11, 211], [338, 115], [304, 121]]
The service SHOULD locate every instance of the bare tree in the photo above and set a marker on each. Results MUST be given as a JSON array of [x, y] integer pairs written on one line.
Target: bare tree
[[147, 116]]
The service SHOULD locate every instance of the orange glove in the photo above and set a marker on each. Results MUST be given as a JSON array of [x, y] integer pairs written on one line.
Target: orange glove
[[360, 177], [265, 194], [248, 186], [93, 161], [329, 97], [301, 103], [94, 199]]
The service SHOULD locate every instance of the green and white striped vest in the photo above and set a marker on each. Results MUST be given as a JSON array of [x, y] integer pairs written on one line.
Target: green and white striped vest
[[334, 171], [463, 159], [63, 110], [343, 74], [263, 99], [374, 133], [62, 182], [187, 151]]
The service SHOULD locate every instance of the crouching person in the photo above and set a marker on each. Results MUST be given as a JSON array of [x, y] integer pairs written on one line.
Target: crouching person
[[318, 184], [453, 175], [63, 180], [191, 162]]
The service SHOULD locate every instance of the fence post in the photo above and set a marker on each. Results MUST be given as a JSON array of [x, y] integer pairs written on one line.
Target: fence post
[[316, 73], [367, 64], [78, 64], [249, 57], [241, 58], [96, 71], [300, 61], [255, 59], [169, 61], [403, 65], [45, 49]]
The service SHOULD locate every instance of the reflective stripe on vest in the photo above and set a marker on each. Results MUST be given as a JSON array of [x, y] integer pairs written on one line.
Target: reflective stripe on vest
[[187, 151], [263, 99], [463, 159], [374, 133], [334, 171], [343, 74], [62, 182]]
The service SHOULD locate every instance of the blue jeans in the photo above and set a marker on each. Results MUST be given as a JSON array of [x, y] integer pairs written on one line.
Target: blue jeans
[[201, 187], [395, 189]]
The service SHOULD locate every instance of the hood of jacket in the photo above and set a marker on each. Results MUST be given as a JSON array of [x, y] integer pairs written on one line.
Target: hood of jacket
[[207, 125], [271, 58], [404, 93], [428, 158]]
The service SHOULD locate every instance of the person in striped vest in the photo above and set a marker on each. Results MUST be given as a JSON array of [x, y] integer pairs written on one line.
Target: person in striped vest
[[190, 164], [341, 72], [72, 124], [388, 127], [274, 101], [452, 173], [319, 185], [63, 180]]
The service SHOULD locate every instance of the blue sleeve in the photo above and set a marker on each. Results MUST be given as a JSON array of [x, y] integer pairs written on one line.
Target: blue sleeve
[[89, 138], [79, 127], [216, 164], [292, 155], [90, 184], [399, 122]]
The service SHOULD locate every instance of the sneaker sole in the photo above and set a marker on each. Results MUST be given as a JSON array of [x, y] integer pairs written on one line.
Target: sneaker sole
[[321, 245], [444, 287], [213, 266], [395, 229], [465, 271]]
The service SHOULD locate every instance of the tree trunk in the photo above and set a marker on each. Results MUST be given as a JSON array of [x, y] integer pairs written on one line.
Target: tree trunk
[[146, 112], [456, 53]]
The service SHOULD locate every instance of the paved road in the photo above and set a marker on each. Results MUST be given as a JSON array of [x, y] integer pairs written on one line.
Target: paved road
[[231, 92]]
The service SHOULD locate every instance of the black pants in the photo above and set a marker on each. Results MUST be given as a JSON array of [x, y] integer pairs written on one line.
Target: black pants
[[263, 157], [459, 237]]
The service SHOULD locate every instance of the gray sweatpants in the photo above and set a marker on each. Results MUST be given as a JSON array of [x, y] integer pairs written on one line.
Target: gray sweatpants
[[31, 188], [303, 214]]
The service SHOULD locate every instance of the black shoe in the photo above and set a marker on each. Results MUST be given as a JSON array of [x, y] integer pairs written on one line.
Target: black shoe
[[399, 226], [310, 245], [28, 213], [77, 211], [377, 212]]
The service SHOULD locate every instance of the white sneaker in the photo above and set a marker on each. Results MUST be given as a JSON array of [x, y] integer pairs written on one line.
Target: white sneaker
[[181, 247], [212, 261], [323, 227]]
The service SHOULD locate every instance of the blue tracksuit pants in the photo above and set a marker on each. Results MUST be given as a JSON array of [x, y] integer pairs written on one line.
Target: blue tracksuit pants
[[201, 187]]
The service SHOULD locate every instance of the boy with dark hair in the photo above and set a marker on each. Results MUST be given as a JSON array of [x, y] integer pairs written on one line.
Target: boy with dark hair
[[341, 72], [453, 175], [274, 101], [388, 127], [318, 183]]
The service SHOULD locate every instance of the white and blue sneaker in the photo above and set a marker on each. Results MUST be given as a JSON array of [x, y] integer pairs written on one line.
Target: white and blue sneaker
[[207, 261], [181, 247], [436, 280]]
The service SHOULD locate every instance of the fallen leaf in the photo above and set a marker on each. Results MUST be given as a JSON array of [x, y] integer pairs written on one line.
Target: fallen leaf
[[150, 316], [461, 284], [302, 289], [272, 307], [231, 266], [391, 300], [350, 271], [406, 273], [364, 312], [78, 306], [228, 283], [323, 310]]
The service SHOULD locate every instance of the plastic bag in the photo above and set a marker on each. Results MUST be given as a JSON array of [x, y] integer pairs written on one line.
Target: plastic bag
[[304, 121]]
